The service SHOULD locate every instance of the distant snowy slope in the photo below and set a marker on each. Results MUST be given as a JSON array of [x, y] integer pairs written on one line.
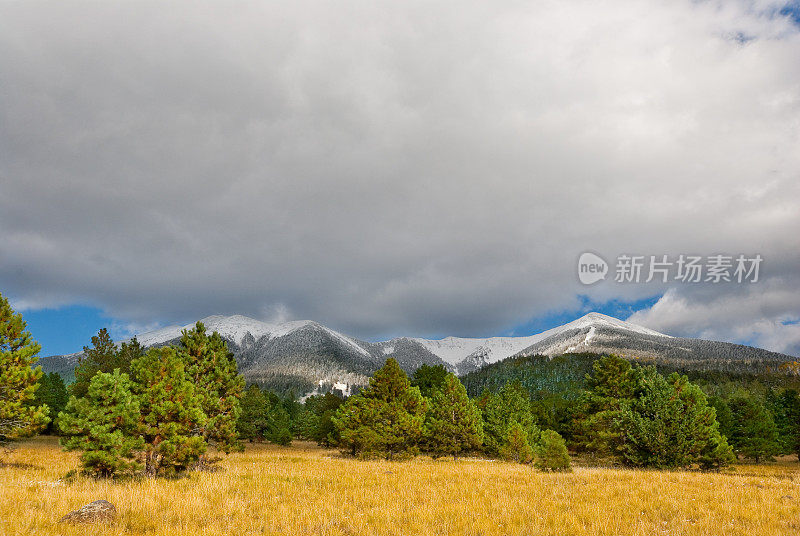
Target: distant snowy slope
[[235, 328], [454, 350], [472, 353]]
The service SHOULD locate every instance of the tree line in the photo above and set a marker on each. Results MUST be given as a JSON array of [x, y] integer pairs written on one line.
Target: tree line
[[156, 411], [758, 414]]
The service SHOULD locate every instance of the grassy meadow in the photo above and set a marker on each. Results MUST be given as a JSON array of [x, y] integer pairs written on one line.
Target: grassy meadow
[[305, 490]]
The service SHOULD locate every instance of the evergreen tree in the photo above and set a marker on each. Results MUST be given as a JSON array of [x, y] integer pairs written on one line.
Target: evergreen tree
[[612, 384], [357, 422], [551, 452], [316, 421], [52, 393], [102, 356], [104, 425], [429, 379], [753, 433], [501, 411], [171, 413], [254, 416], [18, 379], [453, 423], [790, 400], [211, 368], [516, 447], [307, 424], [386, 417], [784, 406], [128, 351], [279, 426], [724, 415], [670, 425]]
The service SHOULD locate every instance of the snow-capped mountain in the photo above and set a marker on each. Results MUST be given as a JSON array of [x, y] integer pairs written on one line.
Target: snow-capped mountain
[[468, 354], [305, 356]]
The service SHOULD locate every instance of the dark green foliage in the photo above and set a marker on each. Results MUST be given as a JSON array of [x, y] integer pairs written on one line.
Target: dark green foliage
[[264, 417], [212, 369], [501, 412], [18, 379], [279, 426], [724, 415], [753, 433], [357, 421], [612, 384], [254, 416], [540, 375], [516, 446], [316, 420], [102, 356], [429, 378], [785, 409], [453, 423], [128, 351], [171, 412], [104, 425], [669, 425], [53, 393], [290, 403], [551, 452], [385, 418]]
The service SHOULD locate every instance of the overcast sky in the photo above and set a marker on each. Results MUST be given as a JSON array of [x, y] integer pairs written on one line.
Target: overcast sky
[[418, 168]]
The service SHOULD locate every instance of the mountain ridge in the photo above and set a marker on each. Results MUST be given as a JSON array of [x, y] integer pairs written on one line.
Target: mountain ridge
[[308, 357]]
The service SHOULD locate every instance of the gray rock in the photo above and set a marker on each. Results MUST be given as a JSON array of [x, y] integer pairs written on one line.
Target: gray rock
[[96, 512]]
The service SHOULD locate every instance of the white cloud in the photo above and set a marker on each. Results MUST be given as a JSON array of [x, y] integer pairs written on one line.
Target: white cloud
[[763, 314]]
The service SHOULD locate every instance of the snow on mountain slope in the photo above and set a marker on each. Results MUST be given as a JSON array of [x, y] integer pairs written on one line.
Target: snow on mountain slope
[[454, 350], [236, 327], [231, 327], [348, 341], [160, 336]]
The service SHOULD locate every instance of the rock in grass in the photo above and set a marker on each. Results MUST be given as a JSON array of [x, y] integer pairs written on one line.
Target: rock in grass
[[96, 512]]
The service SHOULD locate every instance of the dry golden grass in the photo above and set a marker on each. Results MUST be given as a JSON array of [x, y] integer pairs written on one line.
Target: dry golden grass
[[303, 490]]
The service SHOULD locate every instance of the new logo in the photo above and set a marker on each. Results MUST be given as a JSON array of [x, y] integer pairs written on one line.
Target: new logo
[[591, 268]]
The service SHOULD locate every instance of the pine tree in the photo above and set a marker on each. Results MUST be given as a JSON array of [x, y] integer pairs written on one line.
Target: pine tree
[[128, 351], [356, 420], [386, 417], [315, 421], [104, 425], [18, 379], [723, 413], [612, 384], [516, 447], [171, 413], [279, 426], [670, 425], [753, 434], [453, 423], [102, 356], [429, 379], [52, 393], [254, 416], [551, 452], [784, 406], [502, 411], [211, 368]]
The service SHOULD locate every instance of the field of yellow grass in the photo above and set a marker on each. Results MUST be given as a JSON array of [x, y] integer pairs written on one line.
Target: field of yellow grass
[[303, 490]]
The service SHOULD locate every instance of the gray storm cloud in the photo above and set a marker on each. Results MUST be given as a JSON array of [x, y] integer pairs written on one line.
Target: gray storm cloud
[[422, 168]]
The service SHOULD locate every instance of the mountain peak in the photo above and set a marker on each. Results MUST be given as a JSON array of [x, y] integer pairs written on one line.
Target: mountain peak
[[601, 320]]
